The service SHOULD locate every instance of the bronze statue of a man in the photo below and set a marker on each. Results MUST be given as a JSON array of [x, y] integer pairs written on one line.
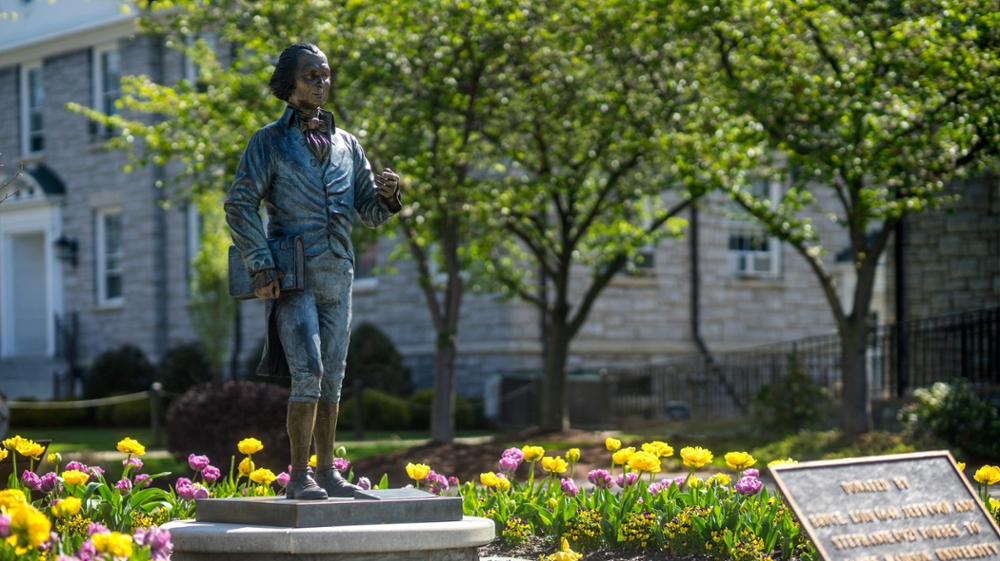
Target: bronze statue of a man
[[312, 178]]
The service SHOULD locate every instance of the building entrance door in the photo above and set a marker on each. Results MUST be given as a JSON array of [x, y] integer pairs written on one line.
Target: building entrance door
[[29, 305]]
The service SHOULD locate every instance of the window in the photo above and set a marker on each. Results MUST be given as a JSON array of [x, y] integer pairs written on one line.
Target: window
[[107, 81], [753, 252], [32, 106], [109, 258]]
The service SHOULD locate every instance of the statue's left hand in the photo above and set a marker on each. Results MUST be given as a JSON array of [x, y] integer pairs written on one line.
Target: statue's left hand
[[387, 184]]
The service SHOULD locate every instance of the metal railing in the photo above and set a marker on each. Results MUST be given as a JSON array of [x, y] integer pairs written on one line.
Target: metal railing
[[939, 349]]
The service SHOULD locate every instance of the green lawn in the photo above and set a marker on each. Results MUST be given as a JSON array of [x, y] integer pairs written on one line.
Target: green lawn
[[94, 439]]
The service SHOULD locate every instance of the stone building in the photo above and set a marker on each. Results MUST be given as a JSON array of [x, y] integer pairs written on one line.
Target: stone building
[[91, 259]]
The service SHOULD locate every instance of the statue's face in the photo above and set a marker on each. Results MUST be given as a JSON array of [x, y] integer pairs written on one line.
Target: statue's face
[[312, 81]]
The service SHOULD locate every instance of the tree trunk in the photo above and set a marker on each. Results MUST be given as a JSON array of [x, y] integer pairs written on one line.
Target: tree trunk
[[443, 407], [857, 407], [554, 413]]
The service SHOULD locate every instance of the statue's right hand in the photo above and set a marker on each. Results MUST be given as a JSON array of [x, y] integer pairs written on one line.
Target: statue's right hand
[[266, 284]]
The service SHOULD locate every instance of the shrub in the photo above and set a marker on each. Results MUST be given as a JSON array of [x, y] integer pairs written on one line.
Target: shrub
[[955, 414], [125, 370], [372, 357], [423, 401], [795, 402], [183, 367], [380, 411], [126, 415], [211, 418], [47, 418]]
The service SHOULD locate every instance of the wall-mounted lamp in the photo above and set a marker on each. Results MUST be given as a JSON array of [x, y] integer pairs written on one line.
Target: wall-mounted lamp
[[66, 250]]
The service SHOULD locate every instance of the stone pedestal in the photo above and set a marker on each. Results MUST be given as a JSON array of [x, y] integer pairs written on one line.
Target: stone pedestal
[[414, 541]]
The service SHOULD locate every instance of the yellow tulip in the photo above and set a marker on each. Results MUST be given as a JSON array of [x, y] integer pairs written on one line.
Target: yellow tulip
[[3, 455], [644, 462], [695, 456], [994, 505], [721, 479], [658, 447], [564, 554], [30, 449], [489, 479], [417, 472], [118, 545], [12, 442], [987, 475], [960, 466], [312, 461], [694, 482], [573, 455], [66, 507], [28, 528], [786, 461], [246, 467], [12, 498], [249, 446], [129, 446], [55, 458], [533, 453], [263, 476], [621, 457], [502, 484], [554, 465], [75, 477], [612, 444], [740, 460]]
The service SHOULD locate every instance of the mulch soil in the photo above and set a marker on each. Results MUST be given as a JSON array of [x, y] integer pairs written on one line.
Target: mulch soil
[[536, 547], [467, 461]]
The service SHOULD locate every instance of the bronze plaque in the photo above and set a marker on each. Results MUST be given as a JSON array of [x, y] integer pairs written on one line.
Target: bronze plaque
[[904, 507]]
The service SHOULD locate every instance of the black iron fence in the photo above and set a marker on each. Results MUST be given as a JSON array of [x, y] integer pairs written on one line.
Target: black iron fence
[[898, 359]]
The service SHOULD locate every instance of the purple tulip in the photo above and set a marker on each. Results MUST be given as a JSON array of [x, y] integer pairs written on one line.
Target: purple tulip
[[88, 552], [136, 463], [453, 481], [363, 482], [182, 481], [340, 464], [67, 558], [48, 483], [657, 487], [96, 528], [568, 487], [283, 479], [142, 480], [200, 491], [76, 466], [198, 463], [751, 472], [186, 491], [4, 526], [680, 480], [627, 479], [748, 486], [210, 474], [438, 483], [124, 485], [508, 465], [600, 478], [158, 541], [514, 453], [31, 480], [96, 471]]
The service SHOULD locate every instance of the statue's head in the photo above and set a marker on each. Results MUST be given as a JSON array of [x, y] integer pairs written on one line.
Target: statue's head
[[301, 77]]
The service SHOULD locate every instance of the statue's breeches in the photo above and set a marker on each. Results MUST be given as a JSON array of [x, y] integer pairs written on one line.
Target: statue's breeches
[[314, 327]]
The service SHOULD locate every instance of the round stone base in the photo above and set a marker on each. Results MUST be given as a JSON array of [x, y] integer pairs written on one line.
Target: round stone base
[[418, 541]]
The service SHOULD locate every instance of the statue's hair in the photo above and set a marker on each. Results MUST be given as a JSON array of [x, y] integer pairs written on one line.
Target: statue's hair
[[282, 82]]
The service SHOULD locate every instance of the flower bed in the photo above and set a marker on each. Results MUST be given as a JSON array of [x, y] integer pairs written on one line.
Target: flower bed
[[73, 513]]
